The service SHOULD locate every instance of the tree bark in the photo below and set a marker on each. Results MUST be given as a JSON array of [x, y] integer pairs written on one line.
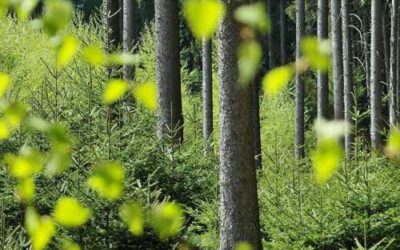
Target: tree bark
[[393, 64], [300, 29], [322, 77], [256, 122], [348, 72], [283, 30], [207, 90], [271, 47], [337, 60], [239, 208], [128, 34], [376, 17], [170, 117], [113, 12]]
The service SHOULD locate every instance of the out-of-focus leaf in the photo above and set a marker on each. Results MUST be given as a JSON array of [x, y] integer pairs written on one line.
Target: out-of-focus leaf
[[94, 55], [38, 124], [14, 113], [326, 159], [255, 16], [58, 163], [26, 189], [249, 61], [393, 143], [331, 129], [114, 90], [146, 94], [123, 59], [132, 215], [167, 219], [68, 244], [40, 229], [56, 16], [317, 53], [243, 246], [70, 213], [3, 7], [203, 16], [67, 50], [108, 180], [277, 79], [5, 82], [4, 130], [60, 138], [24, 8], [26, 164]]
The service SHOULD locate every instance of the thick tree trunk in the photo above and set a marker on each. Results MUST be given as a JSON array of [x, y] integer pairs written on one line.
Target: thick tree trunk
[[393, 64], [337, 59], [283, 30], [376, 17], [271, 47], [207, 90], [300, 29], [170, 118], [348, 73], [113, 12], [128, 34], [322, 77], [238, 183], [256, 122]]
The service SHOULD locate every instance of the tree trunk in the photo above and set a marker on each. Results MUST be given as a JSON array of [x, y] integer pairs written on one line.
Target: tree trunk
[[271, 47], [238, 183], [128, 34], [393, 64], [348, 73], [113, 12], [322, 77], [376, 17], [207, 90], [170, 118], [283, 30], [256, 122], [337, 59]]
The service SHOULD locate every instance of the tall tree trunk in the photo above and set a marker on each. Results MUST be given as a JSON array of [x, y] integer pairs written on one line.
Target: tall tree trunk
[[283, 30], [128, 34], [271, 47], [322, 77], [238, 183], [347, 76], [256, 122], [337, 59], [376, 17], [113, 12], [300, 29], [207, 90], [170, 117], [393, 63]]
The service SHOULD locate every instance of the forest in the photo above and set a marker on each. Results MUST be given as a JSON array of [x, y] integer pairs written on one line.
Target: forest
[[200, 124]]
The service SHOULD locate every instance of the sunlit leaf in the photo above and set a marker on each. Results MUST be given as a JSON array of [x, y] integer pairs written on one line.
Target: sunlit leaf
[[14, 113], [249, 61], [5, 82], [108, 180], [68, 244], [40, 229], [254, 15], [3, 7], [114, 90], [4, 130], [123, 59], [317, 53], [331, 129], [167, 219], [38, 124], [326, 159], [67, 50], [56, 16], [277, 79], [146, 94], [58, 163], [26, 189], [203, 16], [70, 213], [132, 215], [94, 55], [60, 138], [243, 246], [24, 8], [26, 164], [393, 143]]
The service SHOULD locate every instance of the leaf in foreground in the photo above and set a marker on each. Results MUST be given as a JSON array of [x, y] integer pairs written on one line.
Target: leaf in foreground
[[70, 212], [108, 180], [167, 219], [41, 229], [114, 90], [146, 94], [132, 215], [277, 79]]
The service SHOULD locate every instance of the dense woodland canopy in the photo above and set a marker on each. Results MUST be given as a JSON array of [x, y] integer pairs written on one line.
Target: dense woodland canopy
[[199, 124]]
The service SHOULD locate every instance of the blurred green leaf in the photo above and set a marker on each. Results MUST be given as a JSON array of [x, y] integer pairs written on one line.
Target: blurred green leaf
[[69, 212], [167, 219], [40, 229], [146, 94], [393, 143], [317, 53], [26, 189], [24, 8], [26, 164], [5, 82], [57, 15], [68, 244], [326, 159], [14, 113], [114, 90], [203, 16], [249, 61], [243, 246], [133, 216], [67, 50], [58, 163], [94, 55], [123, 59], [108, 180], [255, 16], [277, 79]]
